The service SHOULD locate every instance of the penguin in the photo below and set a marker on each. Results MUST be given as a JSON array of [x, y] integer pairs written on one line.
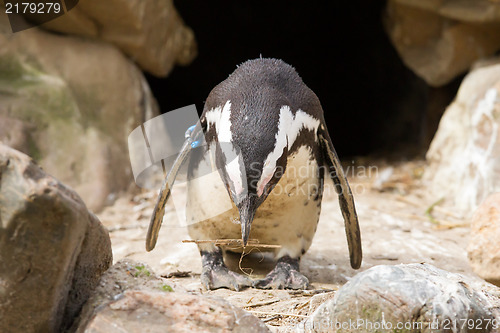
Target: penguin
[[266, 134]]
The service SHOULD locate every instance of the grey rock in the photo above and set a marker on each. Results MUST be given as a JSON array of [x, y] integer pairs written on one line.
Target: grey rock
[[131, 298], [70, 104], [52, 249], [408, 298]]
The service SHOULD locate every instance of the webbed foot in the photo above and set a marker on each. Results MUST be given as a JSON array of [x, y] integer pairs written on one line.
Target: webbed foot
[[285, 275], [215, 273]]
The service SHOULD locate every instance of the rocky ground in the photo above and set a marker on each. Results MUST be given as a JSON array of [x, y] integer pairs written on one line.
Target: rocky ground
[[400, 223]]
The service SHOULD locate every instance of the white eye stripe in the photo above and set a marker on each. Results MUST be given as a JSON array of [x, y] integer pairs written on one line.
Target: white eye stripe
[[224, 130], [233, 170], [213, 117], [220, 117], [289, 127], [300, 121]]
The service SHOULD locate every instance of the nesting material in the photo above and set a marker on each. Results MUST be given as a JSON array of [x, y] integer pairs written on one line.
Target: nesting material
[[233, 243]]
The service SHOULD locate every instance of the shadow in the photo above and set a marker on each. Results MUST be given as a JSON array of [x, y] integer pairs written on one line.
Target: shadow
[[257, 264]]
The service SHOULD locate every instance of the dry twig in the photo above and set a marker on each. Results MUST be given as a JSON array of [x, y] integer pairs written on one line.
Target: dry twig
[[271, 318], [178, 274], [277, 314], [310, 292], [261, 303], [428, 212]]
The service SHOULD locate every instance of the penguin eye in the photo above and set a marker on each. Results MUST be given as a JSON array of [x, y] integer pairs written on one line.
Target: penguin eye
[[278, 172], [270, 186]]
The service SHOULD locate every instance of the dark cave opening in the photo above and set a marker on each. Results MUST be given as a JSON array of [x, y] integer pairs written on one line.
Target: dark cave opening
[[372, 102]]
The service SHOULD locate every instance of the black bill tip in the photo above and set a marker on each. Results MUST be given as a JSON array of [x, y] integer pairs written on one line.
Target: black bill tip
[[247, 210]]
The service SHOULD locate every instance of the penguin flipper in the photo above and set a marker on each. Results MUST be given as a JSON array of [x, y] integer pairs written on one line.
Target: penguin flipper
[[346, 199], [168, 182]]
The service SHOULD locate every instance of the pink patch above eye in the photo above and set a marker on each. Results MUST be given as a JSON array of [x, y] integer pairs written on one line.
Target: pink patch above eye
[[238, 188], [263, 184]]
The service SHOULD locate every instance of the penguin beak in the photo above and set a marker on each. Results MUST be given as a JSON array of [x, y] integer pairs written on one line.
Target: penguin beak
[[247, 210]]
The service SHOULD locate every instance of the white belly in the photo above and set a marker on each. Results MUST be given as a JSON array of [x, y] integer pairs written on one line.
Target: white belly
[[288, 217]]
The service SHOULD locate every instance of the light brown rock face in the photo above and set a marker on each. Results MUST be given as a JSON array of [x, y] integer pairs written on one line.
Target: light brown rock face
[[137, 311], [71, 104], [484, 246], [52, 249], [130, 298], [150, 32], [477, 11], [440, 40], [464, 156]]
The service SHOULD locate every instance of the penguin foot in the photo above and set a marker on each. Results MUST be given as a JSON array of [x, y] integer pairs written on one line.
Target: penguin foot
[[285, 275], [215, 273]]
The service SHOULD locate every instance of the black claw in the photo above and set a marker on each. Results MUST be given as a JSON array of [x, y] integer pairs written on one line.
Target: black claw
[[215, 273], [285, 275]]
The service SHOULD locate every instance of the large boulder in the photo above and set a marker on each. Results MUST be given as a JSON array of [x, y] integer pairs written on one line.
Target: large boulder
[[150, 32], [477, 11], [52, 249], [484, 245], [409, 298], [464, 156], [71, 104], [440, 40], [131, 298]]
